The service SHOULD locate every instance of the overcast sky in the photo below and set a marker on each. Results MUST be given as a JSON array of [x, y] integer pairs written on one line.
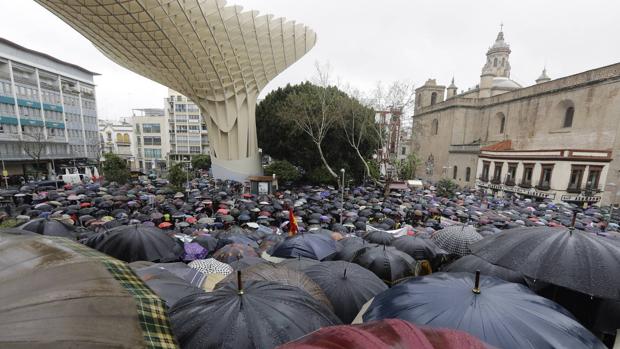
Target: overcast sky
[[368, 41]]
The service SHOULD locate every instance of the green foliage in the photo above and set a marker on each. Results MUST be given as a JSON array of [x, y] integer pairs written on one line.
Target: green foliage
[[280, 137], [375, 172], [115, 168], [320, 175], [408, 166], [446, 187], [284, 170], [201, 162], [177, 175]]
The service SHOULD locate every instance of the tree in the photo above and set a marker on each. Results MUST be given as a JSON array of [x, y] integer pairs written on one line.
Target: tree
[[407, 167], [33, 143], [177, 175], [201, 162], [446, 188], [115, 168], [315, 113], [284, 170], [279, 136]]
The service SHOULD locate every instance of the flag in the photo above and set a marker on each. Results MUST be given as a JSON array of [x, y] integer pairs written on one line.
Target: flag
[[292, 223]]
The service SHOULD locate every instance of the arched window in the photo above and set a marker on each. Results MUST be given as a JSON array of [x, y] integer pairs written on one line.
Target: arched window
[[435, 127], [503, 61], [455, 171], [119, 137], [433, 98], [467, 174], [495, 62], [502, 123], [568, 117], [126, 138]]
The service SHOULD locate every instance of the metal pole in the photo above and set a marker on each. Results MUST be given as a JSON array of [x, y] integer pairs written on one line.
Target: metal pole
[[342, 195], [5, 175]]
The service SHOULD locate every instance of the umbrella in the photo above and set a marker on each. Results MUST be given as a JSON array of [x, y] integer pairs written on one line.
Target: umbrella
[[503, 314], [210, 266], [379, 237], [166, 285], [456, 239], [313, 246], [234, 252], [50, 227], [58, 293], [299, 263], [348, 286], [282, 275], [139, 243], [386, 334], [257, 314], [246, 262], [419, 248], [190, 275], [194, 250], [471, 263], [569, 258], [351, 246], [388, 263], [206, 241]]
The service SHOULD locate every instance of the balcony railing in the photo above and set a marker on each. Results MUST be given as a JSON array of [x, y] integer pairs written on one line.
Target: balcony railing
[[510, 182], [496, 180], [465, 148], [483, 178], [525, 184], [574, 189]]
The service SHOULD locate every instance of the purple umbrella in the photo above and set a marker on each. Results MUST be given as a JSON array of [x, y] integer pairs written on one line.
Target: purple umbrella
[[193, 251]]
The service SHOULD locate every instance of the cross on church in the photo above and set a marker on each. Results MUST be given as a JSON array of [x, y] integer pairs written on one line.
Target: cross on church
[[501, 27]]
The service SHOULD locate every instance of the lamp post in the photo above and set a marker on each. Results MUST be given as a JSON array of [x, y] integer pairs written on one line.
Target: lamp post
[[342, 194], [187, 167]]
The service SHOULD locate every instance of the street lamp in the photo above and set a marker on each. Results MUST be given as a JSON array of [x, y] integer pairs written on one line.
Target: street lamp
[[187, 173], [342, 194]]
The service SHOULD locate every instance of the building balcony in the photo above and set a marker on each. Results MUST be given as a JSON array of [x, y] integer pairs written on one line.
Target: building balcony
[[483, 179], [510, 182], [543, 187], [465, 148], [525, 185], [574, 189], [496, 181]]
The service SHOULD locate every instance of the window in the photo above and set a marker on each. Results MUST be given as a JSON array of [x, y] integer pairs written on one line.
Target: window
[[119, 138], [403, 150], [545, 177], [455, 171], [467, 174], [152, 140], [433, 98], [194, 150], [151, 128], [528, 171], [152, 153], [435, 127], [485, 171], [502, 123], [576, 176], [568, 117], [495, 62], [594, 174], [497, 172], [512, 174], [180, 108]]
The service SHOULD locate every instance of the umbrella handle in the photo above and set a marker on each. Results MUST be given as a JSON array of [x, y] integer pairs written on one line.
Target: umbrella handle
[[239, 284], [476, 288]]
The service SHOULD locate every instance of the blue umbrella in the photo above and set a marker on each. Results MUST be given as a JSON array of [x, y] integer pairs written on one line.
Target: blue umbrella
[[314, 246], [503, 314]]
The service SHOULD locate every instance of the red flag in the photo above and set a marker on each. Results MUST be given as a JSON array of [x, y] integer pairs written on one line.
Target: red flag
[[292, 223]]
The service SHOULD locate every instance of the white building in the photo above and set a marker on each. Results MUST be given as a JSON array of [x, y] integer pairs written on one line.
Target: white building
[[188, 131], [48, 112], [118, 137], [152, 139]]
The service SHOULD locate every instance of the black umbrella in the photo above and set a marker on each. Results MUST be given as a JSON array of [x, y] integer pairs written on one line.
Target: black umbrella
[[166, 285], [314, 246], [419, 248], [207, 241], [246, 262], [179, 269], [388, 263], [347, 285], [379, 237], [139, 243], [471, 263], [351, 246], [569, 258], [503, 314], [299, 263], [260, 314], [51, 227]]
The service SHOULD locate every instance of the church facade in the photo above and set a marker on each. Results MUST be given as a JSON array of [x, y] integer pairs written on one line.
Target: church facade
[[557, 139]]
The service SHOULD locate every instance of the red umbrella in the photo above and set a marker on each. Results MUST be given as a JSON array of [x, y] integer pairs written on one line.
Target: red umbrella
[[85, 204], [222, 211], [190, 220], [386, 334], [247, 196], [165, 225]]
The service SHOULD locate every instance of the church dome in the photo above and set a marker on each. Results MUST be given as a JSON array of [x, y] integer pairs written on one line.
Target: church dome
[[505, 84]]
